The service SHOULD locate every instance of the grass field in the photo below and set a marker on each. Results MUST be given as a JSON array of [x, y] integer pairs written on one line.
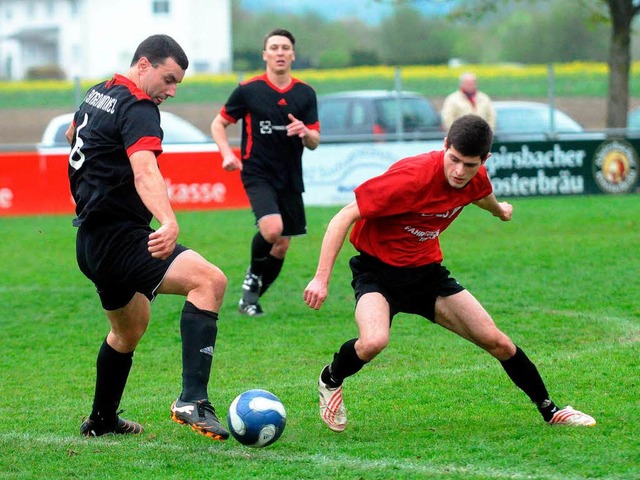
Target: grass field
[[561, 279]]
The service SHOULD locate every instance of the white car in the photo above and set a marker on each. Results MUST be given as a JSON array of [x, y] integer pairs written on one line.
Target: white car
[[179, 134]]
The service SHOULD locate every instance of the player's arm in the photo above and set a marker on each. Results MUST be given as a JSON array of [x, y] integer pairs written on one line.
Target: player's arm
[[152, 189], [310, 138], [318, 288], [68, 134], [502, 210], [219, 126]]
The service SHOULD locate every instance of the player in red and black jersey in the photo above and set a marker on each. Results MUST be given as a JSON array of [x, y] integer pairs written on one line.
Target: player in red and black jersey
[[113, 173], [397, 220], [279, 119]]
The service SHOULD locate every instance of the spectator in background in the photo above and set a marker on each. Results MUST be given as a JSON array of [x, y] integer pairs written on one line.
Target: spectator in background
[[467, 99]]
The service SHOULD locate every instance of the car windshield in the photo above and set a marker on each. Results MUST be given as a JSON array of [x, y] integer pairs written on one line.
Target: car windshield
[[176, 130], [417, 114], [533, 120]]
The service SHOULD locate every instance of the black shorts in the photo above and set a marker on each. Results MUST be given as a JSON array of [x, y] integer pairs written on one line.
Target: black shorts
[[406, 289], [115, 257], [266, 200]]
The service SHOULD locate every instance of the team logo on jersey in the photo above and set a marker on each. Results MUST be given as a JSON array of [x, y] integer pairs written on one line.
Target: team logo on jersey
[[615, 166], [282, 102], [265, 127]]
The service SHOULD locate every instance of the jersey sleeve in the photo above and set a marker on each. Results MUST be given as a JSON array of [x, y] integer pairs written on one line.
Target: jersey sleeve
[[235, 108], [140, 128], [310, 118]]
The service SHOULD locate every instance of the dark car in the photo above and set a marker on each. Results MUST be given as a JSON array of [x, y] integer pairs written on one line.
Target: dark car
[[366, 115]]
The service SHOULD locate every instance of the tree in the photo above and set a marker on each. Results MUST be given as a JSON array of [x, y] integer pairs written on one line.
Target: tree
[[619, 14], [622, 13]]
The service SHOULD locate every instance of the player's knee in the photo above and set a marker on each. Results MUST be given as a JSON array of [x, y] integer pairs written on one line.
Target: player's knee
[[214, 280], [368, 348], [271, 234], [279, 249], [500, 346]]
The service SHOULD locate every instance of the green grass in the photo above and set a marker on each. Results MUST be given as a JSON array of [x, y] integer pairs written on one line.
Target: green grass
[[561, 279]]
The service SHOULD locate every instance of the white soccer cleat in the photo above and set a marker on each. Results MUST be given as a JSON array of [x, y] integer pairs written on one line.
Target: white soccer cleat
[[332, 409], [571, 417]]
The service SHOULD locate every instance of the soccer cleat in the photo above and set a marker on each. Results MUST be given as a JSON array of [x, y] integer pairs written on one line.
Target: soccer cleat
[[96, 428], [251, 288], [574, 418], [250, 309], [200, 416], [332, 409]]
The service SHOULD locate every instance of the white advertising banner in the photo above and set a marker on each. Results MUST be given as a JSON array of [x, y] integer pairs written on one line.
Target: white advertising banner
[[332, 171]]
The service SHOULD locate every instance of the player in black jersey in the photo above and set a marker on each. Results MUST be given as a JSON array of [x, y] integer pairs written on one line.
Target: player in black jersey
[[113, 172], [280, 118]]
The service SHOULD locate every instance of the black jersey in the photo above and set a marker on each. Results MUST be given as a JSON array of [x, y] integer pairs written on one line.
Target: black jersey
[[267, 152], [115, 120]]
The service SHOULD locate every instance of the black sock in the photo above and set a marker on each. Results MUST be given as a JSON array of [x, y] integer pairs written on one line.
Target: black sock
[[525, 375], [345, 363], [198, 329], [112, 371], [272, 268], [260, 250]]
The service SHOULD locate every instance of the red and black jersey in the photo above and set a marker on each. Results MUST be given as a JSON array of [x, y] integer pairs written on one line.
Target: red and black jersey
[[267, 152], [115, 120], [405, 210]]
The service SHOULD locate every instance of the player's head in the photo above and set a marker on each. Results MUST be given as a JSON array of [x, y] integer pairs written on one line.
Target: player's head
[[158, 66], [471, 135], [279, 32], [279, 51], [158, 48]]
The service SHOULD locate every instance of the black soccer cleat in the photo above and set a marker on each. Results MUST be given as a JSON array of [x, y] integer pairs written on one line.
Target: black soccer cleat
[[200, 416], [97, 428]]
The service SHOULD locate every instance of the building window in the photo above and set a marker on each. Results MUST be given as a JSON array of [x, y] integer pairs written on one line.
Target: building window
[[161, 7]]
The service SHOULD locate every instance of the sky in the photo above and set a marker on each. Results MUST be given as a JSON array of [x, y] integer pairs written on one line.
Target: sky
[[369, 11]]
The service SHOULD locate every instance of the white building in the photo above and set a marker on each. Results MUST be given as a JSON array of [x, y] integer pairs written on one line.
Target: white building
[[94, 38]]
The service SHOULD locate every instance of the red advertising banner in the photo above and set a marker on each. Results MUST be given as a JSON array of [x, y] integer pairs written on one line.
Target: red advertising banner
[[36, 183]]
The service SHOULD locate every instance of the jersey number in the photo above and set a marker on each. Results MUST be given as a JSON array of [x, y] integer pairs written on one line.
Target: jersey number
[[76, 151]]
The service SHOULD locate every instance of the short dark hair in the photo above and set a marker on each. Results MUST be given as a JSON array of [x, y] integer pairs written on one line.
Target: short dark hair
[[157, 48], [279, 32], [471, 135]]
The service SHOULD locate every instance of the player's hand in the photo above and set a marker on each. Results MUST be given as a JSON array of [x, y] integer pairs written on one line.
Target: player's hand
[[231, 163], [315, 294], [507, 210], [296, 127], [162, 242]]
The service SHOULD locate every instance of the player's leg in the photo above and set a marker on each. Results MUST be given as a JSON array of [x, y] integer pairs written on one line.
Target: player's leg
[[113, 365], [462, 314], [294, 222], [373, 319], [264, 203], [203, 284]]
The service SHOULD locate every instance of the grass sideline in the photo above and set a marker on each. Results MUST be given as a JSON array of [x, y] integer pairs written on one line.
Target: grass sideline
[[561, 279]]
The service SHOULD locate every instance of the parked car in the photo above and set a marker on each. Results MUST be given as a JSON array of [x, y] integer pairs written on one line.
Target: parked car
[[374, 115], [633, 119], [176, 130], [531, 120]]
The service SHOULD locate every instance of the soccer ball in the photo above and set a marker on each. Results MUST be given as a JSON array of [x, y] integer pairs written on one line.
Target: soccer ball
[[256, 418]]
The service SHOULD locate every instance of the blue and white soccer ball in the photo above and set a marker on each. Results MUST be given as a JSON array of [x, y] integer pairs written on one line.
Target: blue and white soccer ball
[[256, 418]]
